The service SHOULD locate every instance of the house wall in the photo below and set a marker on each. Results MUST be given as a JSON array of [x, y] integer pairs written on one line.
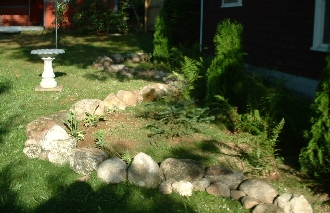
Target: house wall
[[21, 12], [151, 11], [278, 34]]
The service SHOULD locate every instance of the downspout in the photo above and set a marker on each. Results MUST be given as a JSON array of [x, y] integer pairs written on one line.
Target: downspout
[[201, 27], [115, 9]]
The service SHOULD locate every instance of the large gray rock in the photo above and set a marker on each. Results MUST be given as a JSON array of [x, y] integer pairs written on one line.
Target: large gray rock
[[92, 106], [37, 128], [201, 185], [267, 208], [182, 169], [135, 58], [291, 203], [218, 189], [59, 116], [54, 133], [183, 188], [259, 190], [117, 58], [61, 150], [113, 68], [153, 92], [130, 98], [112, 102], [113, 170], [86, 160], [224, 175], [144, 171]]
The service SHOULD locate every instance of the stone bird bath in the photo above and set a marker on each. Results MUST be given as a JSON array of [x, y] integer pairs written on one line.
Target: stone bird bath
[[48, 77]]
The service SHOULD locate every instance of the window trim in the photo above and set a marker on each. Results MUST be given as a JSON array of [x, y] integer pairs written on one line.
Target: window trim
[[237, 4], [319, 14]]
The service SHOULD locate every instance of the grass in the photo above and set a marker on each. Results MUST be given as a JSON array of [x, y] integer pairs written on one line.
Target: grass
[[31, 185]]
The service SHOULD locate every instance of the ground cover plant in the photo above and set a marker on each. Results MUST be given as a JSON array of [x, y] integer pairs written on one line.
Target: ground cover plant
[[32, 185]]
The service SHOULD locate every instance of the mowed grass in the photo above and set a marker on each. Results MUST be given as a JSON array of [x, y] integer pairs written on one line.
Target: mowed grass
[[32, 185]]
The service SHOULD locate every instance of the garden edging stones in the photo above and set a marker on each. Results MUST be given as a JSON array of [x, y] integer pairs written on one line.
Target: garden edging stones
[[182, 176]]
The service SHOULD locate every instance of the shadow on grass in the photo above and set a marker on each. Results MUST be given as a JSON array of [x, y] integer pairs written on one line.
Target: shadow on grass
[[8, 197], [121, 198], [80, 51], [5, 86], [102, 76]]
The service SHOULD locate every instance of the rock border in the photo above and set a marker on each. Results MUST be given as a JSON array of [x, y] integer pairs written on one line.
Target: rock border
[[48, 140]]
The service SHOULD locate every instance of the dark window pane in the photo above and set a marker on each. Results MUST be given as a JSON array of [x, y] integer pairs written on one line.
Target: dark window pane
[[326, 32]]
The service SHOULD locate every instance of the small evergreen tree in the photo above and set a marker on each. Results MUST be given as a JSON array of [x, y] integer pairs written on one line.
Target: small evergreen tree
[[225, 76], [162, 41], [315, 158]]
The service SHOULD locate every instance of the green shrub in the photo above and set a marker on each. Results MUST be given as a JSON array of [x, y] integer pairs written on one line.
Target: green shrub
[[162, 40], [97, 16], [225, 76], [315, 158]]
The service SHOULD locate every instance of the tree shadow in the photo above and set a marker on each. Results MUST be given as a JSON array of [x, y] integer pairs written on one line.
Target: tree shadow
[[8, 196], [57, 74], [5, 87], [80, 51], [121, 198], [102, 76]]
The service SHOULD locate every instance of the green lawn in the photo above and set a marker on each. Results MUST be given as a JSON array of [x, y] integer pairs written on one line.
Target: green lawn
[[32, 185]]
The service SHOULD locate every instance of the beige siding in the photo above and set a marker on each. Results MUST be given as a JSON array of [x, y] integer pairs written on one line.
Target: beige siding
[[152, 8]]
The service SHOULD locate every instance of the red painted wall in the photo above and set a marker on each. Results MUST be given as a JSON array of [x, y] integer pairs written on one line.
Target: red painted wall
[[278, 34], [21, 13]]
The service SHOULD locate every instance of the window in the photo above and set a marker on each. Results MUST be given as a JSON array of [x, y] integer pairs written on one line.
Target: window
[[231, 3], [321, 37]]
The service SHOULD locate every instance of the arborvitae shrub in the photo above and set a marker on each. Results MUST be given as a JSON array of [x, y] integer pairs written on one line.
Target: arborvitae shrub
[[225, 76], [162, 39], [315, 158]]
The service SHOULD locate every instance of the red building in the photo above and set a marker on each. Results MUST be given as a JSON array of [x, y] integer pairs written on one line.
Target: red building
[[33, 12], [290, 36]]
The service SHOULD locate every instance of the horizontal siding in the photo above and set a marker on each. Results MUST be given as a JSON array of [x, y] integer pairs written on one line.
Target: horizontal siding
[[277, 33]]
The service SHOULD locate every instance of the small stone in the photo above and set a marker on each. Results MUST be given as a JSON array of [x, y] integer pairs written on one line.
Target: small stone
[[184, 188], [236, 194], [165, 187], [219, 189], [249, 202], [32, 151]]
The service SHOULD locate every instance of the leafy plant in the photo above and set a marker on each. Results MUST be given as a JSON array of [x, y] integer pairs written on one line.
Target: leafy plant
[[92, 120], [72, 124], [97, 16], [100, 140], [225, 76]]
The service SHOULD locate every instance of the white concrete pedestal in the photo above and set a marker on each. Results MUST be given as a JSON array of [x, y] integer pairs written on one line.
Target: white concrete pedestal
[[48, 76], [48, 82]]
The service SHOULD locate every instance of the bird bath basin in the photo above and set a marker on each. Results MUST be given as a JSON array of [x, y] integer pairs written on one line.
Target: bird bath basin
[[48, 76]]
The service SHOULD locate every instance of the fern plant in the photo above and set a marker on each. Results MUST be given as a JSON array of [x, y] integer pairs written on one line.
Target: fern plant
[[261, 142], [175, 120], [315, 158]]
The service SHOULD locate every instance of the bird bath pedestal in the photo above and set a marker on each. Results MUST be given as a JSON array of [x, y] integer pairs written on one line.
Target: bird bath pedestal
[[48, 82]]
